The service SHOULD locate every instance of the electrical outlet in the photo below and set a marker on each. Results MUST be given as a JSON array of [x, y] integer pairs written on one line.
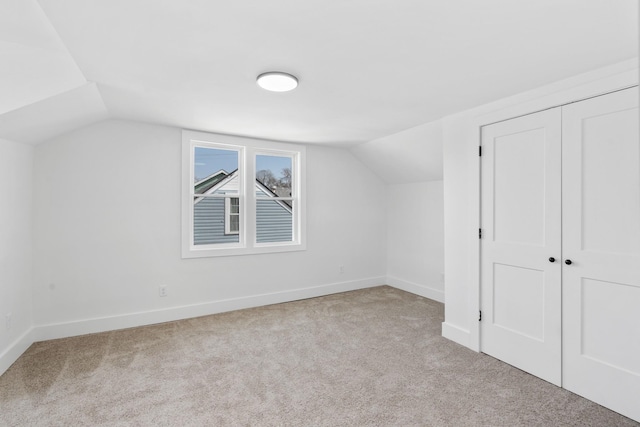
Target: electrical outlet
[[341, 269], [162, 291], [7, 320]]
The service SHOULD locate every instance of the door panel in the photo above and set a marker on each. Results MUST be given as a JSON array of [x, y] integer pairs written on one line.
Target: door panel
[[521, 293], [609, 167], [519, 204], [518, 295], [601, 226], [603, 338]]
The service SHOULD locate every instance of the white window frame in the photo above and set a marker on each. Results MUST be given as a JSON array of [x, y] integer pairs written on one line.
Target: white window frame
[[295, 190], [247, 149]]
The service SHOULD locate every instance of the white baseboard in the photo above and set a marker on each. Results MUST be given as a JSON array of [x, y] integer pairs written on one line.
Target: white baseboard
[[414, 288], [89, 326], [15, 350], [456, 334]]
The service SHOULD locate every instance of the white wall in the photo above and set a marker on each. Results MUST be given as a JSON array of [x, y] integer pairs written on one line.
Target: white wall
[[415, 238], [462, 185], [459, 146], [107, 234], [410, 163], [16, 162]]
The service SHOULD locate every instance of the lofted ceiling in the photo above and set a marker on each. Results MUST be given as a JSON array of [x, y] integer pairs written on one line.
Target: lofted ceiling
[[367, 68]]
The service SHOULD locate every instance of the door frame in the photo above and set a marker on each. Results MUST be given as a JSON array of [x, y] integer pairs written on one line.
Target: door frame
[[584, 86]]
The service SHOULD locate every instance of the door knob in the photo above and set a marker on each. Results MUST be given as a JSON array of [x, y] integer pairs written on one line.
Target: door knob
[[552, 259], [568, 262]]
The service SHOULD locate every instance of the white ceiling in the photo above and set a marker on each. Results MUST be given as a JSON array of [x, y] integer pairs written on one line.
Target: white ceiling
[[367, 68], [34, 63]]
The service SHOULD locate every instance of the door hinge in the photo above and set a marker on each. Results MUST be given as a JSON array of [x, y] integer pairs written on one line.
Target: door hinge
[[480, 317], [479, 233], [480, 150]]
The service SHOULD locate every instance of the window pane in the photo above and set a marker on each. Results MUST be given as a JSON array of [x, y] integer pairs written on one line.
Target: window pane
[[274, 173], [234, 225], [235, 205], [274, 220], [209, 222], [215, 171]]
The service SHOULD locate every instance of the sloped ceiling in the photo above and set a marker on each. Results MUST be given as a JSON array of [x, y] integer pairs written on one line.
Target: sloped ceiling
[[413, 155], [43, 93], [35, 62], [367, 68]]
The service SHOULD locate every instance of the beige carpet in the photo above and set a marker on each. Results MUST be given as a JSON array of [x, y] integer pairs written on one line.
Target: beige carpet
[[366, 358]]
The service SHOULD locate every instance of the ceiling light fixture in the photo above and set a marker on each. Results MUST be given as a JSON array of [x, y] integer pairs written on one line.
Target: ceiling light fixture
[[277, 81]]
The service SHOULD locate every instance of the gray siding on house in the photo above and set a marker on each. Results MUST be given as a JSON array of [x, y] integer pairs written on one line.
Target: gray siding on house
[[208, 222], [273, 222]]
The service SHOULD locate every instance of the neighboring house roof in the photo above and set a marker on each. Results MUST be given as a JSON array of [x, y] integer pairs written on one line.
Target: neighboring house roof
[[219, 179], [271, 193], [281, 191], [204, 185]]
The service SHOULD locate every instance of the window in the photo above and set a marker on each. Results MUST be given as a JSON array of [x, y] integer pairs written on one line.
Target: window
[[274, 201], [214, 184], [241, 196], [232, 215]]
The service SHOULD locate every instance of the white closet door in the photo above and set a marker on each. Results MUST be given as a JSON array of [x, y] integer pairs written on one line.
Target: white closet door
[[601, 238], [521, 218]]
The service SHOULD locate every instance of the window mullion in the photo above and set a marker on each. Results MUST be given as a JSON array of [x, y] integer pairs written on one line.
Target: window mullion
[[249, 210]]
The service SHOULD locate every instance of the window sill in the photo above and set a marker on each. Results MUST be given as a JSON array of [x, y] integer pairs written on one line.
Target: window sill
[[262, 248]]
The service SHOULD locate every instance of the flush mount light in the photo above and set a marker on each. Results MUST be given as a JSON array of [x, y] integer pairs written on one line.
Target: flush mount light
[[277, 81]]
